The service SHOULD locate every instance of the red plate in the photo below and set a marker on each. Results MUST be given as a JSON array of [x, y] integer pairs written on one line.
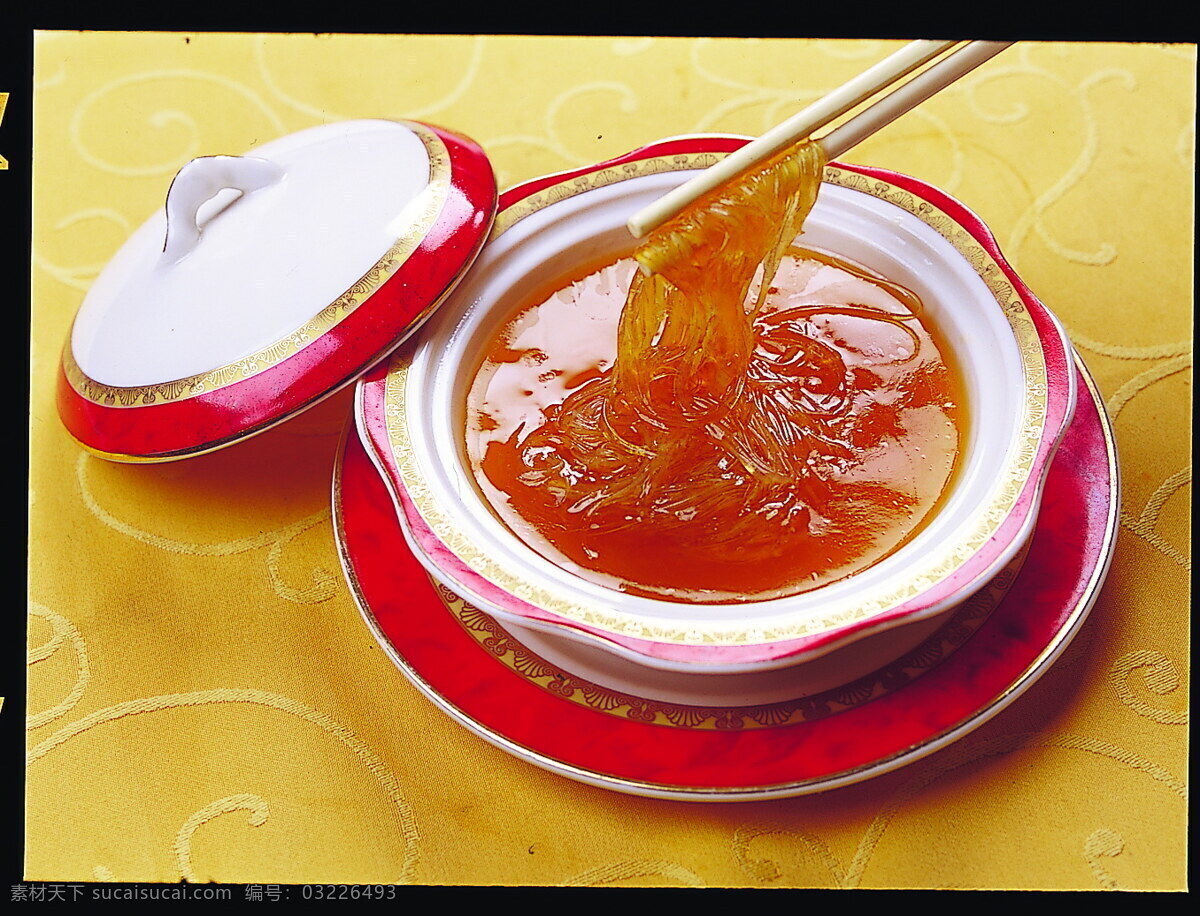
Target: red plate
[[982, 660]]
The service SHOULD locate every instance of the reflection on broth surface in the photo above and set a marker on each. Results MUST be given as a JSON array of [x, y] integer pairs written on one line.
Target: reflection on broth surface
[[696, 434]]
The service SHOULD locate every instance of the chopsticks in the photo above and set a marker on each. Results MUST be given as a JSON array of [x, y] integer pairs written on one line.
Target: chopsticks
[[840, 139], [909, 96]]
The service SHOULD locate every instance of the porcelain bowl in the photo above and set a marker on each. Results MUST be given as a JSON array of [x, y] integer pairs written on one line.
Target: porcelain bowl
[[1014, 356]]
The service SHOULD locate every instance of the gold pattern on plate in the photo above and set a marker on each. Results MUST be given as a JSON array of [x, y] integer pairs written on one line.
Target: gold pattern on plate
[[924, 573], [425, 209], [509, 651]]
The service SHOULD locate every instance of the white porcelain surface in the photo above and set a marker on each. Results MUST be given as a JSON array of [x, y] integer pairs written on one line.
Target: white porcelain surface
[[753, 688], [266, 260]]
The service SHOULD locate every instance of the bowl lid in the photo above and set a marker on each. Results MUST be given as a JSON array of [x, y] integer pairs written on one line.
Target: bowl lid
[[269, 281]]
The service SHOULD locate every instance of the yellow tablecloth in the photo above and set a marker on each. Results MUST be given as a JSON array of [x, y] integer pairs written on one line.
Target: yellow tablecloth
[[205, 701]]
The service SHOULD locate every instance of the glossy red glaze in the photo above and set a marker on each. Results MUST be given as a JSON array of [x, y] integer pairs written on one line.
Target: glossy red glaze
[[230, 413], [1042, 611]]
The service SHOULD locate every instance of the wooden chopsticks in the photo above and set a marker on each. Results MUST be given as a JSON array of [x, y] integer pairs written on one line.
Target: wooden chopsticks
[[836, 103]]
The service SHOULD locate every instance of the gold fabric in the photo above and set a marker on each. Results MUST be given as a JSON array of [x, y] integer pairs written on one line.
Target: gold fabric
[[205, 701]]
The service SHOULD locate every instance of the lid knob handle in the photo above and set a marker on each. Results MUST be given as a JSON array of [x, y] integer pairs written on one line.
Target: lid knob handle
[[201, 180]]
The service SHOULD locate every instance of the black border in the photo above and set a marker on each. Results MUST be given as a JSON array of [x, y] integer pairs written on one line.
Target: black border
[[1164, 23], [16, 142], [1159, 22]]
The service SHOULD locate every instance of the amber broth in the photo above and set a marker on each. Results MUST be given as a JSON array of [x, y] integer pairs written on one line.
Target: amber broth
[[876, 414]]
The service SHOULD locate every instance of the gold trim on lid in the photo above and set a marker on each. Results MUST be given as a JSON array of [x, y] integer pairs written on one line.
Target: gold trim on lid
[[425, 208]]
